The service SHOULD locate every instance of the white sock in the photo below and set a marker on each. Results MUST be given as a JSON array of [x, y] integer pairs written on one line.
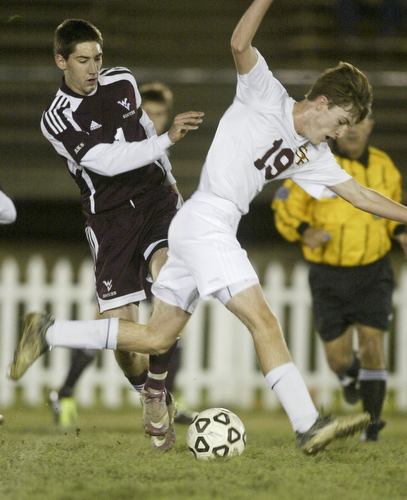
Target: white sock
[[94, 334], [157, 376], [289, 386]]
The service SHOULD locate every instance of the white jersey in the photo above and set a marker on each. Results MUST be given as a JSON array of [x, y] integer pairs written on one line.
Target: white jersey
[[256, 143]]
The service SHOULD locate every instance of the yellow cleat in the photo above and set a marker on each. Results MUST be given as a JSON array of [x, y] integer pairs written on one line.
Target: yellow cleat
[[68, 412], [64, 410]]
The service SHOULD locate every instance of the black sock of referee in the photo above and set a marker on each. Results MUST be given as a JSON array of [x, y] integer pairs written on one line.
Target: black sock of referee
[[373, 391]]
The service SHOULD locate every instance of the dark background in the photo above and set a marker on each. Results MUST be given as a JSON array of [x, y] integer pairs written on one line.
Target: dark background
[[185, 44]]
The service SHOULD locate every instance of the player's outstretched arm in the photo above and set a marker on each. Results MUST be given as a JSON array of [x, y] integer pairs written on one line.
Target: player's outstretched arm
[[370, 201], [243, 53], [184, 122]]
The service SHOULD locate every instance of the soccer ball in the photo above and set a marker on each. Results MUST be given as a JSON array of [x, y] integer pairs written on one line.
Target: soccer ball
[[216, 432]]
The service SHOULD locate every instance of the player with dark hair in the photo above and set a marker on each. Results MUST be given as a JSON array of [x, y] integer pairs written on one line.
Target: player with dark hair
[[263, 135], [129, 195], [157, 101], [73, 32], [350, 274]]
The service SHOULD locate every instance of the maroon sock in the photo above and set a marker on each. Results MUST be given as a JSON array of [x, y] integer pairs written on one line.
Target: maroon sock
[[159, 366]]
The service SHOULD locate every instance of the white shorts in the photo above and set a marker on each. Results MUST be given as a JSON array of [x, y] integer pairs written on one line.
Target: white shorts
[[205, 259]]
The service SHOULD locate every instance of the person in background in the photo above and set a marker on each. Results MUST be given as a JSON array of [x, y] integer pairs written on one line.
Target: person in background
[[8, 212], [129, 195], [157, 101], [350, 273]]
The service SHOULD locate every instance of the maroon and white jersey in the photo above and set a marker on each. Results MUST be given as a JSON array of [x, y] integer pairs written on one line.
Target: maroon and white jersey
[[107, 142]]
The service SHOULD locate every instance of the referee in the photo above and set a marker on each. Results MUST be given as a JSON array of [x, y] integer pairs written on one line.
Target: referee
[[350, 274]]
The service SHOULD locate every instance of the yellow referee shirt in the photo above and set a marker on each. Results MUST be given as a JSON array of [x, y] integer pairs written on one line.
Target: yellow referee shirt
[[357, 237]]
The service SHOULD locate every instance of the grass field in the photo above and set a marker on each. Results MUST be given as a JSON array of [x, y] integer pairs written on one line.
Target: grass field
[[108, 457]]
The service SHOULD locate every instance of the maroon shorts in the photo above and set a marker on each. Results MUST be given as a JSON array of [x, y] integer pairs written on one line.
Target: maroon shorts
[[122, 242]]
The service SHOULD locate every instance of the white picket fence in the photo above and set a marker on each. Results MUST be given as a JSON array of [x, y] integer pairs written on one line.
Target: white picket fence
[[219, 366]]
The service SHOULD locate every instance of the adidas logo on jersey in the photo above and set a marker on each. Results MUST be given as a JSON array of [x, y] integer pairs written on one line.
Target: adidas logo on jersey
[[94, 125]]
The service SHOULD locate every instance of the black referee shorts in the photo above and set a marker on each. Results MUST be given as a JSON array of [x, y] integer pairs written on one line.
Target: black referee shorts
[[343, 296]]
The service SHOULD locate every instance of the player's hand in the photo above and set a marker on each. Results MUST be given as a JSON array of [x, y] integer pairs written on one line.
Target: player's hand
[[315, 237], [184, 122]]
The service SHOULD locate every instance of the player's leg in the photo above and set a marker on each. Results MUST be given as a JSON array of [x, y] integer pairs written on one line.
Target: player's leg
[[176, 297], [42, 331], [313, 432], [133, 364], [159, 364], [62, 402], [275, 361], [336, 295], [373, 316], [114, 241], [184, 415], [372, 377], [80, 360], [159, 405], [124, 250], [344, 361]]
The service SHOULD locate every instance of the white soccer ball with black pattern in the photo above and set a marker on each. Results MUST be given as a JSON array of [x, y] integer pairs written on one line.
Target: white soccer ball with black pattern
[[216, 432]]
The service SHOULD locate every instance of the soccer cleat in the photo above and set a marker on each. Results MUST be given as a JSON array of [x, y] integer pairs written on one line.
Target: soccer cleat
[[166, 442], [64, 410], [327, 429], [184, 414], [372, 431], [156, 420], [32, 343]]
